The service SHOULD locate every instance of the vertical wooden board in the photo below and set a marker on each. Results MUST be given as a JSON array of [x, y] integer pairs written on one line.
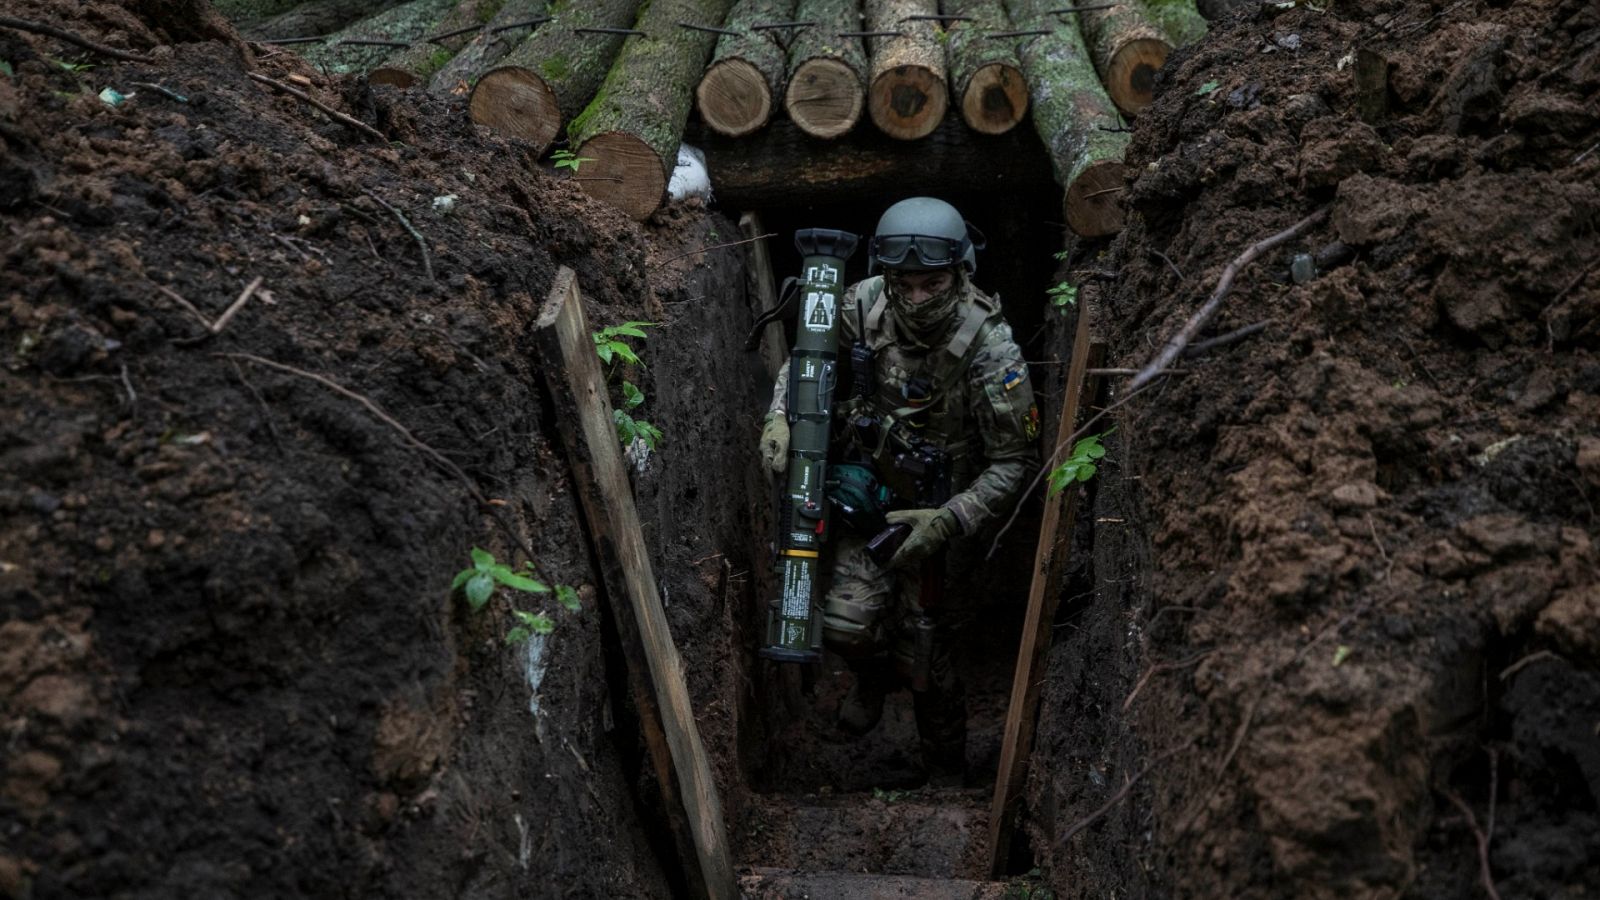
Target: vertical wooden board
[[1044, 595], [572, 372]]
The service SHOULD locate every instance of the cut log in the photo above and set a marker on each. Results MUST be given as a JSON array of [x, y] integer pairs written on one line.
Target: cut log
[[1077, 121], [318, 17], [408, 22], [549, 77], [419, 61], [1179, 20], [488, 47], [907, 93], [782, 166], [740, 88], [827, 73], [985, 73], [1128, 50], [632, 128]]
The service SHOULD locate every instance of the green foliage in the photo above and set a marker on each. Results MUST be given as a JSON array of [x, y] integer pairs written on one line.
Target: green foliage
[[1080, 466], [1063, 295], [73, 67], [6, 70], [1028, 887], [480, 580], [1207, 88], [1061, 255], [1340, 654], [528, 625], [890, 796], [630, 429], [610, 342], [566, 159]]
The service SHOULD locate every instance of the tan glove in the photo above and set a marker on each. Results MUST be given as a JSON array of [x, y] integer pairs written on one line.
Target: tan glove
[[930, 528], [775, 444]]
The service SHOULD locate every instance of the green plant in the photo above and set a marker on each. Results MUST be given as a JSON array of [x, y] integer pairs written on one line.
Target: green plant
[[73, 67], [890, 796], [529, 624], [630, 429], [610, 344], [479, 581], [1063, 295], [1207, 88], [6, 70], [1080, 466], [566, 159]]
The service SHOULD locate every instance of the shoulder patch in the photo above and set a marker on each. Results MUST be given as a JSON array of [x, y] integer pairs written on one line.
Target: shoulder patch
[[1014, 376]]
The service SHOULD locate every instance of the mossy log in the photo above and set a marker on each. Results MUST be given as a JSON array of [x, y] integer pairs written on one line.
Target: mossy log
[[984, 72], [827, 73], [243, 13], [550, 76], [907, 91], [318, 17], [486, 48], [740, 88], [783, 167], [631, 129], [419, 61], [1128, 49], [1075, 118], [1179, 20], [409, 22]]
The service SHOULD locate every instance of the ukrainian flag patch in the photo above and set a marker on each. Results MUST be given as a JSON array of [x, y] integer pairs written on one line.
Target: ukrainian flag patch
[[1014, 377]]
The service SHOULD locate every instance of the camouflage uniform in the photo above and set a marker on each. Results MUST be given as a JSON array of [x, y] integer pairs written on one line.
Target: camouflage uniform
[[981, 411]]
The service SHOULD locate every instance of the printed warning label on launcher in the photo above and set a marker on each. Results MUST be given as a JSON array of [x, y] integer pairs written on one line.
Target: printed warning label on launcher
[[796, 589], [819, 311]]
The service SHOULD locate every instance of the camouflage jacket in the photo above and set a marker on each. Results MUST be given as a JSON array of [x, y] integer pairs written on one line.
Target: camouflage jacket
[[979, 407]]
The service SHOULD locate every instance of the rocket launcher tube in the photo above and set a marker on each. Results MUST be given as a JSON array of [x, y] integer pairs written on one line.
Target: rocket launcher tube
[[794, 620]]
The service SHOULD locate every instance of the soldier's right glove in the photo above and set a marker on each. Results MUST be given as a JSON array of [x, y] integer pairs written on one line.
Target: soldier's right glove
[[775, 444]]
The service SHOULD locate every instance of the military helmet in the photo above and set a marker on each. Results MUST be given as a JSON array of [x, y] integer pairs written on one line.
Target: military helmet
[[923, 234]]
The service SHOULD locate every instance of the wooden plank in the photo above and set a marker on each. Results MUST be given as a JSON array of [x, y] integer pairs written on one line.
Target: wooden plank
[[572, 373], [1044, 595], [760, 278]]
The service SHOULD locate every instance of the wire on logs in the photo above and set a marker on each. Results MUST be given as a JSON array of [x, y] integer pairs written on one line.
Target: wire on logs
[[1012, 34], [608, 31], [1079, 9], [708, 29], [937, 19], [867, 34], [372, 42], [766, 26], [525, 23], [296, 40]]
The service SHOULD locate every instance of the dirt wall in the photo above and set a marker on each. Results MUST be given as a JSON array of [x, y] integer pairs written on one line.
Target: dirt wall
[[1354, 554]]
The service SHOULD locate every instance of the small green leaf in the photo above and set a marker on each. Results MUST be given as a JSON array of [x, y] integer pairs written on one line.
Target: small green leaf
[[538, 623], [651, 434], [461, 578], [628, 329], [604, 349], [568, 597], [1086, 472], [631, 396], [1209, 86], [1340, 654], [479, 587], [6, 70], [520, 582], [623, 351], [482, 559]]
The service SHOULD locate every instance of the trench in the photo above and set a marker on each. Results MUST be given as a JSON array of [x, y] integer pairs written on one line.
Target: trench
[[800, 796]]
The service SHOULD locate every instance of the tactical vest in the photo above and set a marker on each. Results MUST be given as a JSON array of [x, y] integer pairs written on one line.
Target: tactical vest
[[946, 417]]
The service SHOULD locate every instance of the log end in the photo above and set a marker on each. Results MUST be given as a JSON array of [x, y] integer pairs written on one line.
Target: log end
[[1131, 76], [1093, 204], [624, 172], [516, 102], [734, 98], [824, 97], [996, 99], [908, 102], [393, 77]]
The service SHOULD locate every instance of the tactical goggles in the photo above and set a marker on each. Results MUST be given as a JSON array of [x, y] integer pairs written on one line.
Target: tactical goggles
[[934, 252]]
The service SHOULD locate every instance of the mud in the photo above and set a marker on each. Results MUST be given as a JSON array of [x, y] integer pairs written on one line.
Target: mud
[[1357, 545]]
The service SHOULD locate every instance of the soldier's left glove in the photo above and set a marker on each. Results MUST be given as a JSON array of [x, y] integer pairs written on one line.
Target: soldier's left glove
[[930, 528]]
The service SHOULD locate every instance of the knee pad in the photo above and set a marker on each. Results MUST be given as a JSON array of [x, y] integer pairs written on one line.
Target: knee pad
[[851, 640]]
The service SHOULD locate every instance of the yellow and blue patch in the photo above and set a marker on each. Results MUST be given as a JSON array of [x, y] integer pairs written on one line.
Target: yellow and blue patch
[[1014, 377]]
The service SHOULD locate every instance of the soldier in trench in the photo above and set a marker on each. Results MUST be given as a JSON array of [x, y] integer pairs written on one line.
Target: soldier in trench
[[945, 373]]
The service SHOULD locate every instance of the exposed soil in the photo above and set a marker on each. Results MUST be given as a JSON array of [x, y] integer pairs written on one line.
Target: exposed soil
[[1376, 519], [1363, 541]]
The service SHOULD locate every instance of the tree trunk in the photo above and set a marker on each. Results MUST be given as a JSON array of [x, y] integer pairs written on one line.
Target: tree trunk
[[318, 17], [783, 166], [631, 129], [984, 71], [419, 61], [827, 73], [907, 94], [1128, 49], [409, 22], [1075, 119], [549, 77], [1179, 20], [243, 13], [736, 95], [488, 47]]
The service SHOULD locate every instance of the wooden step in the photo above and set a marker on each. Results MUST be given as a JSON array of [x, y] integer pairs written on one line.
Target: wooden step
[[772, 884]]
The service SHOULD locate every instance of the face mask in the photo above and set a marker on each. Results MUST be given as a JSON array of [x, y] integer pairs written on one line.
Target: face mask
[[927, 319]]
